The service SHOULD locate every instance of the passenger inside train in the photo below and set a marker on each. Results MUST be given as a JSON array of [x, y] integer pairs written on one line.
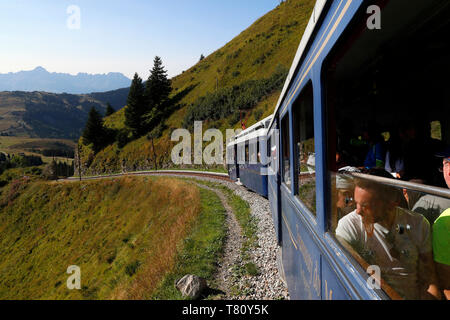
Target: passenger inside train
[[380, 230], [388, 115]]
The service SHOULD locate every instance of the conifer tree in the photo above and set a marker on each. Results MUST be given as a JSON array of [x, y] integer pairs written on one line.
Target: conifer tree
[[109, 110], [157, 90], [135, 107], [94, 132]]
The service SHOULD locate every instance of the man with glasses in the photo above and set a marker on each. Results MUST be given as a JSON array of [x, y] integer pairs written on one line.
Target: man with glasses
[[386, 235]]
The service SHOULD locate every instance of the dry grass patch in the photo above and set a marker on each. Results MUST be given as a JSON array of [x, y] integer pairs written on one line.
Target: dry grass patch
[[122, 233]]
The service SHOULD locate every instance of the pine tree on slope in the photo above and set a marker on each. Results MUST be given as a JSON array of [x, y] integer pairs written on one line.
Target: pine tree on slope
[[94, 132], [135, 107], [109, 110], [157, 90]]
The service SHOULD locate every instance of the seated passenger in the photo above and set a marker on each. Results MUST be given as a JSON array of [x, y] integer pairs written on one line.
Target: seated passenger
[[376, 155], [411, 196], [419, 152], [396, 240], [311, 163], [344, 194], [441, 251], [287, 172], [441, 235], [432, 206], [394, 163]]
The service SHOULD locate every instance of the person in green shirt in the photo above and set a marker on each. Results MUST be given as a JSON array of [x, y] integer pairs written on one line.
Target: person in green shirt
[[441, 234]]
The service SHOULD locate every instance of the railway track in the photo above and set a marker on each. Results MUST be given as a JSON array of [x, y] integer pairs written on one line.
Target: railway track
[[205, 174]]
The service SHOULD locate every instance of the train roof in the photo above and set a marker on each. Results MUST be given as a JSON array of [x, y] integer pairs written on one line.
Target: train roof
[[256, 130], [264, 123], [261, 132], [301, 51]]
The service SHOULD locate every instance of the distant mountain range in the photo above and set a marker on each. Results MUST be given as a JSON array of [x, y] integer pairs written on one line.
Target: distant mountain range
[[40, 79]]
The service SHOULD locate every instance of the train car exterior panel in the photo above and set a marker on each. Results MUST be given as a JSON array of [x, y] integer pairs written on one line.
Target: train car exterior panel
[[332, 288], [301, 257], [249, 154], [232, 172], [272, 189], [339, 47], [312, 270], [253, 177]]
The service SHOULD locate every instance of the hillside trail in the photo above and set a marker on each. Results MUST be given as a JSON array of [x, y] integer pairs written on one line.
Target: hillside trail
[[231, 256]]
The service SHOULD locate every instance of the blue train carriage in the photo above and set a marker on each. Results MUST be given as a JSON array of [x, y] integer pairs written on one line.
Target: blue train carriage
[[232, 165], [249, 160], [356, 143]]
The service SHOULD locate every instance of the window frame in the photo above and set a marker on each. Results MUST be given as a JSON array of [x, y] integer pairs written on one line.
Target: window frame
[[286, 133], [329, 233], [297, 170]]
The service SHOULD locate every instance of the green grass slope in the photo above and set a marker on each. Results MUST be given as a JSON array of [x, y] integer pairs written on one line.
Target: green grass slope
[[124, 234], [267, 45]]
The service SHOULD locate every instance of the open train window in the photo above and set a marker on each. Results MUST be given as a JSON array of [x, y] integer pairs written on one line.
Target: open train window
[[272, 150], [285, 159], [388, 197], [256, 155], [305, 156]]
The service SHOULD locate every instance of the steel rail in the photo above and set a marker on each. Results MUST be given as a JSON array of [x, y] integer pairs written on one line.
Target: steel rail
[[214, 175]]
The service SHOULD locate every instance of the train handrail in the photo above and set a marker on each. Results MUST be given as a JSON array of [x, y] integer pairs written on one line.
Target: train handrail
[[436, 191]]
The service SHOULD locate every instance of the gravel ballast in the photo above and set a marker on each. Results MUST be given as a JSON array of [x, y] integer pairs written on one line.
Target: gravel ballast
[[267, 285]]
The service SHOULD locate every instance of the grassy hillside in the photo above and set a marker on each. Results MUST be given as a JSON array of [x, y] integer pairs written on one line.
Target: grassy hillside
[[254, 54], [247, 61], [111, 229]]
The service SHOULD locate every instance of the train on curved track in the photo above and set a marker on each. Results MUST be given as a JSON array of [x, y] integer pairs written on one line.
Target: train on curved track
[[363, 70]]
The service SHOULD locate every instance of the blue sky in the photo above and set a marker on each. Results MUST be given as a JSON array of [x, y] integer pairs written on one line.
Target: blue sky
[[118, 35]]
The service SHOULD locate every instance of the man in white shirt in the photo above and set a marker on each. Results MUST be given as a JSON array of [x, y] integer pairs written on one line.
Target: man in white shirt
[[396, 240]]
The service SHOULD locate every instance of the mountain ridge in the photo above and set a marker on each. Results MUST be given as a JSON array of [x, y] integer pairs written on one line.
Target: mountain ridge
[[39, 79]]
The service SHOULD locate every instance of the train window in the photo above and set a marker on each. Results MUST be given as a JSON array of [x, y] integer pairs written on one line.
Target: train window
[[285, 161], [256, 156], [240, 153], [247, 152], [231, 154], [274, 139], [388, 120], [305, 167]]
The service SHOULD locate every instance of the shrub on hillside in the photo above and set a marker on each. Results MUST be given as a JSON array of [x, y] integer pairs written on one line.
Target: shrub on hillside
[[258, 114], [19, 161], [122, 137], [228, 101], [57, 169]]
